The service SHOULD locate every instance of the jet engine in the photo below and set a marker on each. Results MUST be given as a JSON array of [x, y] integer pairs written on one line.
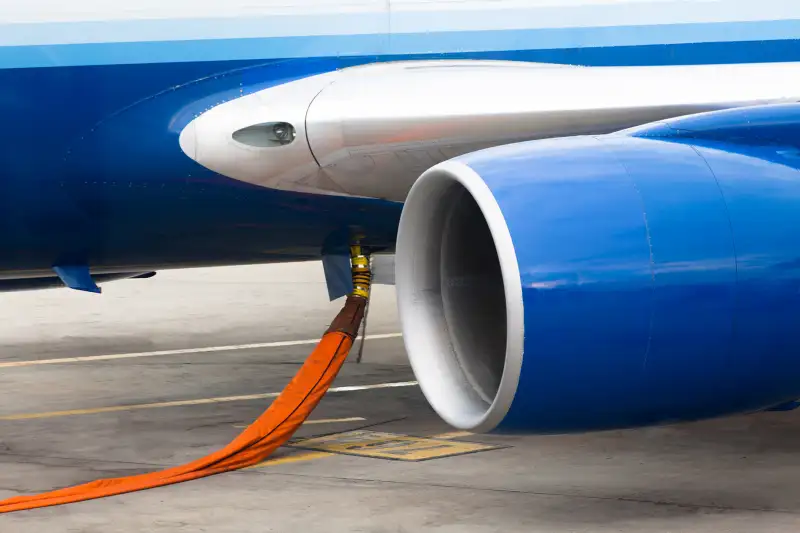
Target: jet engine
[[599, 282]]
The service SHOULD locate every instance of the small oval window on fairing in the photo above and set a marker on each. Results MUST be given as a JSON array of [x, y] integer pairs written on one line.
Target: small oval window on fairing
[[266, 135]]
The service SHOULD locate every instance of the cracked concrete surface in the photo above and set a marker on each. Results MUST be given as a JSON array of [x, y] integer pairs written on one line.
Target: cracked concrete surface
[[734, 475]]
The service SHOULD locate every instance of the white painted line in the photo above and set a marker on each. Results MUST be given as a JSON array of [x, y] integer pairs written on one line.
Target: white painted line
[[182, 403], [279, 344], [319, 421], [378, 386]]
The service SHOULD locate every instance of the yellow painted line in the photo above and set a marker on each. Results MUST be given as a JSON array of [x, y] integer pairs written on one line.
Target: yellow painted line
[[322, 421], [451, 435], [296, 458], [118, 408], [202, 401], [161, 353]]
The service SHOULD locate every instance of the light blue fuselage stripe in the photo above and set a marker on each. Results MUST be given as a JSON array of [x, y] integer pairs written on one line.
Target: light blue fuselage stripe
[[367, 44], [397, 19]]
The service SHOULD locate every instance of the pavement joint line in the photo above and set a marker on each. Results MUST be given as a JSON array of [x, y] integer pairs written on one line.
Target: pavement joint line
[[566, 495], [304, 456], [186, 351], [201, 401]]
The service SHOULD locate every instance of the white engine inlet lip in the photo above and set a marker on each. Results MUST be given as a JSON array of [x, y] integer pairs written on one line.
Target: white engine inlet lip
[[422, 324]]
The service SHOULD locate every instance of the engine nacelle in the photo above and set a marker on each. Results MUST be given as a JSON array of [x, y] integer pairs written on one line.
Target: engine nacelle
[[591, 283]]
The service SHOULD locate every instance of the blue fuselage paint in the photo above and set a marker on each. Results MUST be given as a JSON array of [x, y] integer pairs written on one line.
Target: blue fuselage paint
[[91, 171]]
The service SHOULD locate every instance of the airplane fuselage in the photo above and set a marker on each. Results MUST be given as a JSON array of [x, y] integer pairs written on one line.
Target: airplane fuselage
[[94, 98]]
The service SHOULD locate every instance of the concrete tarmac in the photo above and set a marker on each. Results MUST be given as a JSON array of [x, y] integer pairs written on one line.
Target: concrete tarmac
[[157, 372]]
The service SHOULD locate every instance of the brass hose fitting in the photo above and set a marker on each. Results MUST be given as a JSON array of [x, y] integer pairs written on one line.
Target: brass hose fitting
[[362, 276]]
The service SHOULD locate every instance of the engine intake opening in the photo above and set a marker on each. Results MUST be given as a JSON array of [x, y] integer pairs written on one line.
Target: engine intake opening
[[472, 295], [460, 297]]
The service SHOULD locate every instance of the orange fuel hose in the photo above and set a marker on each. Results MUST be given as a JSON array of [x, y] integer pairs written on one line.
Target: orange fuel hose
[[271, 430]]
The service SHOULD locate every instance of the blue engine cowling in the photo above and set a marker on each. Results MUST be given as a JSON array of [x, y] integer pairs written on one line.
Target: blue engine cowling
[[591, 283]]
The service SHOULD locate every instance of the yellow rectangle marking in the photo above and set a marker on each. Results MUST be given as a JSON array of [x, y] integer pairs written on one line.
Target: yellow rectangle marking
[[390, 446], [312, 456]]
